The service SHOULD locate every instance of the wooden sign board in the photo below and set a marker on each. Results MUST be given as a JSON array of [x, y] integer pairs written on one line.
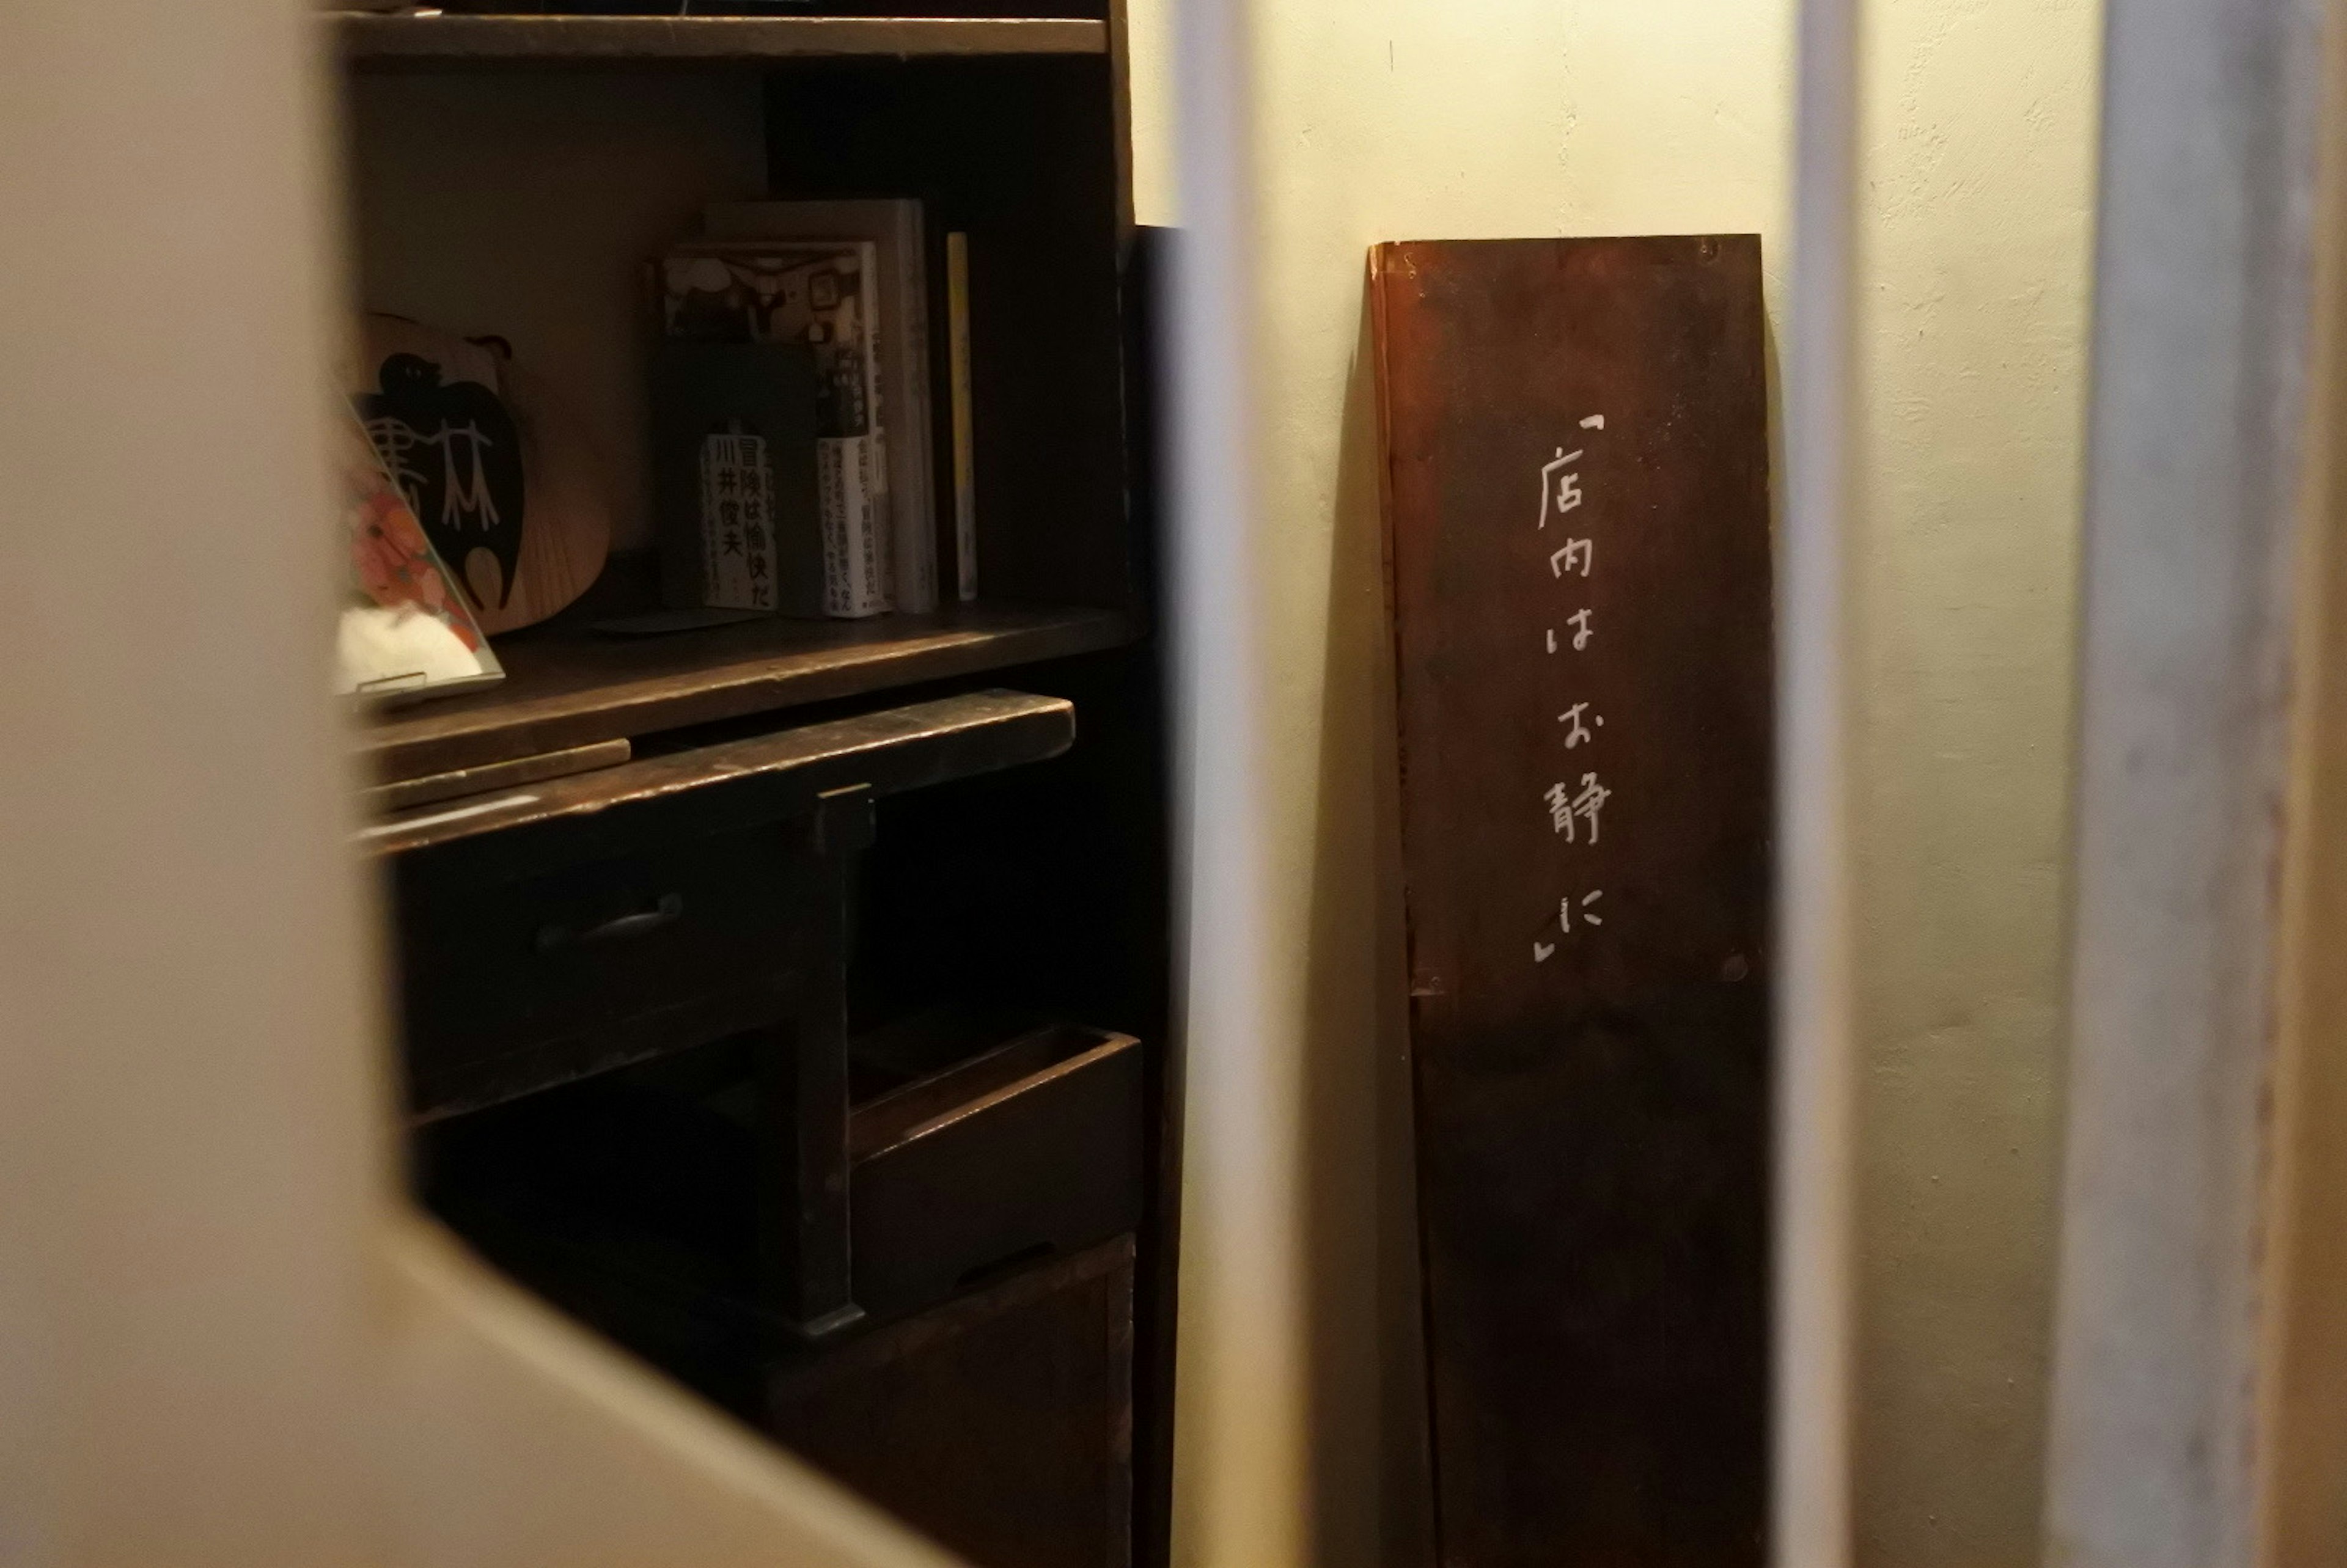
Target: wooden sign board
[[1575, 470]]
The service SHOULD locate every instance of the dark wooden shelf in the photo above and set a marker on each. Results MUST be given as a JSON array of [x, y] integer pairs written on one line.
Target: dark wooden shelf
[[713, 40], [770, 777], [571, 687]]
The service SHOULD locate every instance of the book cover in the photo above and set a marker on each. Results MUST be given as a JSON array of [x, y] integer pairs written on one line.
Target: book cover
[[825, 295], [735, 471], [895, 227]]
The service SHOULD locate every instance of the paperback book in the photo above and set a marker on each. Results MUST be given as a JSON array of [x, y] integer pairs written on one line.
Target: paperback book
[[825, 295], [733, 446], [895, 229]]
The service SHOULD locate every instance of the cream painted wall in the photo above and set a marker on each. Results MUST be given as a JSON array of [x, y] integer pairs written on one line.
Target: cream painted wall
[[1978, 144], [1382, 120]]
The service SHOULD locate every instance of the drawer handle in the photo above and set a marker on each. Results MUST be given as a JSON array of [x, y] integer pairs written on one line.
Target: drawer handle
[[618, 928]]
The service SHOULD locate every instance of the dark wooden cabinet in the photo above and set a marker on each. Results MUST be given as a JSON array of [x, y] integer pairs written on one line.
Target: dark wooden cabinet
[[1027, 1151], [509, 985], [999, 1425], [812, 1045]]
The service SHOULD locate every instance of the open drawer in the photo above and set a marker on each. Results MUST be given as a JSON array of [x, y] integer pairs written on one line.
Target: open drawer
[[631, 1198], [1028, 1150]]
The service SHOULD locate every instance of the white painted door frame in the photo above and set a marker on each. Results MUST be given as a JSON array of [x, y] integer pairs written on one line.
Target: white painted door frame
[[2200, 668]]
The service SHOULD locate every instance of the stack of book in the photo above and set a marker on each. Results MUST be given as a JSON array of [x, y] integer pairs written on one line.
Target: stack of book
[[794, 431]]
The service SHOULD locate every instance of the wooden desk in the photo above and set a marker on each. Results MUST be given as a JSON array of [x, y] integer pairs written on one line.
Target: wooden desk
[[577, 926]]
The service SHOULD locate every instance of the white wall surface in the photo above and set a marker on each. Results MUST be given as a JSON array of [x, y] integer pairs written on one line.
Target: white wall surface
[[1980, 143], [1381, 120]]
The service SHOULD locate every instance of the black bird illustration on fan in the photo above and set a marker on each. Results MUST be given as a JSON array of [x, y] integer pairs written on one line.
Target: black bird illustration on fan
[[456, 454]]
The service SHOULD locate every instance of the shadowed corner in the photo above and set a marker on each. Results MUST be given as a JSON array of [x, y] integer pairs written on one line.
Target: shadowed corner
[[1368, 1361]]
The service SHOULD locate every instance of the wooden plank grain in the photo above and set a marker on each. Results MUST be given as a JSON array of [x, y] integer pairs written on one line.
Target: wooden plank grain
[[764, 777], [1576, 481], [433, 789], [999, 1424], [574, 688]]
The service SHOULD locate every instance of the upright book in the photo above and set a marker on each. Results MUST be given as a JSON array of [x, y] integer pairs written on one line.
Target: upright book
[[894, 227], [1574, 468], [964, 424], [825, 294], [733, 468]]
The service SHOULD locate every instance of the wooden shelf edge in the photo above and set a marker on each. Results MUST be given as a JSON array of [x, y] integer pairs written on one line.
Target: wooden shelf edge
[[501, 724], [894, 749], [370, 38]]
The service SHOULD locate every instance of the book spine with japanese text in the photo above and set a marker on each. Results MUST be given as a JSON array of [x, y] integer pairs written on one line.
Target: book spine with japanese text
[[896, 227], [825, 294]]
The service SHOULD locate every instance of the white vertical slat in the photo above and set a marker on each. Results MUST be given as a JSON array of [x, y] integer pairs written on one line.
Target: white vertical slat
[[2202, 339], [1815, 1044], [1241, 1475]]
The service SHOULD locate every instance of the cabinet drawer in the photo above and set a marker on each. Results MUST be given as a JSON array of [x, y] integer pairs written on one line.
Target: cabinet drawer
[[610, 915], [1030, 1150], [998, 1424], [594, 963]]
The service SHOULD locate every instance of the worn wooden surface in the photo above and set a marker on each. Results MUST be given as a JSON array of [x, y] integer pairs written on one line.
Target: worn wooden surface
[[764, 777], [1592, 1100], [715, 40], [566, 531], [615, 916], [433, 789], [1030, 1150], [998, 1421], [511, 985], [1044, 889], [803, 1077], [570, 688], [1001, 1424]]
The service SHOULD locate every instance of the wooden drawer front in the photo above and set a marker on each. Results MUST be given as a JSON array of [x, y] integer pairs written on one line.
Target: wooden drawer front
[[599, 962], [999, 1424], [1031, 1150]]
